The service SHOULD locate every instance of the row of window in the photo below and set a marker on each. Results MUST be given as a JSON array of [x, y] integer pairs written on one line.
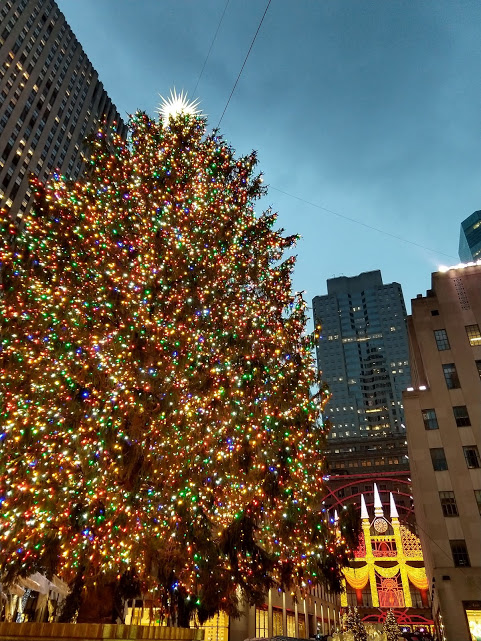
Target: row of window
[[449, 505], [460, 413], [438, 457], [365, 462], [472, 332]]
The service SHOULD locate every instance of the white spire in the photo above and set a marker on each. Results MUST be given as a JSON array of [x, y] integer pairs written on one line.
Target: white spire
[[336, 517], [377, 503], [394, 514], [364, 513]]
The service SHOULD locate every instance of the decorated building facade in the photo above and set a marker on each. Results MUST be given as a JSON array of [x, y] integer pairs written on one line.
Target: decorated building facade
[[388, 570]]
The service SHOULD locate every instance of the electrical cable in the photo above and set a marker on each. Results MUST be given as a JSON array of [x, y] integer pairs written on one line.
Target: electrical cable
[[359, 222], [244, 63], [210, 48]]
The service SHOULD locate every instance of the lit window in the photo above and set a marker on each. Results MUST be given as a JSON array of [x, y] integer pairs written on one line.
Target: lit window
[[430, 419], [448, 503], [461, 415], [261, 623], [441, 338], [474, 335], [471, 455]]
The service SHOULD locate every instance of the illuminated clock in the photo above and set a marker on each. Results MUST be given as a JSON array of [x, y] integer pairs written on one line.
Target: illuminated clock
[[380, 525]]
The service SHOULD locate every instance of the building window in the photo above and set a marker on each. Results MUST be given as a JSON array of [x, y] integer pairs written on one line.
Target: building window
[[261, 623], [474, 335], [448, 503], [451, 375], [439, 459], [442, 341], [291, 624], [461, 415], [477, 496], [277, 630], [460, 553], [471, 455], [430, 420], [478, 365]]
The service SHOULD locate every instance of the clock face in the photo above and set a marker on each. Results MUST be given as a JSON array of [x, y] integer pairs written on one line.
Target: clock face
[[380, 525]]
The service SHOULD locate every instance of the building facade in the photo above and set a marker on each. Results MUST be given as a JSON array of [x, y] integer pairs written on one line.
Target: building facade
[[363, 355], [388, 570], [470, 238], [50, 99], [443, 420], [282, 615]]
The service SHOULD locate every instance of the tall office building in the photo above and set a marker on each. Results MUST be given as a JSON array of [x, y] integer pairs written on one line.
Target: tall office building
[[363, 355], [443, 424], [50, 99], [470, 238]]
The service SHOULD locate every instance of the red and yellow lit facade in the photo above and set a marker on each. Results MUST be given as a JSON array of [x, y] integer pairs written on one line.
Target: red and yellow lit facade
[[388, 570]]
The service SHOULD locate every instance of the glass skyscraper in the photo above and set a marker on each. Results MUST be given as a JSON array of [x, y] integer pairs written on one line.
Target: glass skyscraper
[[363, 355], [470, 238]]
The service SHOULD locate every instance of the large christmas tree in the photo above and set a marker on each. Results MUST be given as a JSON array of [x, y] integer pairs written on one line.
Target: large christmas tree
[[156, 412]]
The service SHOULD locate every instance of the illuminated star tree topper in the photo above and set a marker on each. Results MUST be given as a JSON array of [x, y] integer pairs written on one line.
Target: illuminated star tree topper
[[177, 104]]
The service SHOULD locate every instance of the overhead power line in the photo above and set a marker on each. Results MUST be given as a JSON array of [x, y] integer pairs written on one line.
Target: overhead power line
[[210, 48], [244, 63], [359, 222]]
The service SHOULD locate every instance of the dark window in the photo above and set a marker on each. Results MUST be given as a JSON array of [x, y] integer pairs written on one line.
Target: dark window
[[434, 312], [448, 503], [471, 455], [14, 191], [451, 375], [6, 180], [460, 553], [474, 335], [430, 420], [478, 365], [7, 150], [439, 459], [477, 496], [442, 341], [461, 415]]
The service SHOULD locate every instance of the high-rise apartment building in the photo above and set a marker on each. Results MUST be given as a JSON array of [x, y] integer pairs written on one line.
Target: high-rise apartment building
[[364, 358], [470, 238], [443, 421], [50, 99]]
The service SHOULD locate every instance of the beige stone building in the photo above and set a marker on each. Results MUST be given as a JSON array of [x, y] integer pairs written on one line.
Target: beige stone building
[[50, 99], [281, 615], [443, 421]]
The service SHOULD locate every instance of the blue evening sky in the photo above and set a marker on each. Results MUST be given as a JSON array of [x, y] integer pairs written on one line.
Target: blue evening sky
[[368, 109]]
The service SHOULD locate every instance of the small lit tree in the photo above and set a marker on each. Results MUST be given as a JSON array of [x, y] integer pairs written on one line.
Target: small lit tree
[[358, 629], [390, 627], [348, 620]]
